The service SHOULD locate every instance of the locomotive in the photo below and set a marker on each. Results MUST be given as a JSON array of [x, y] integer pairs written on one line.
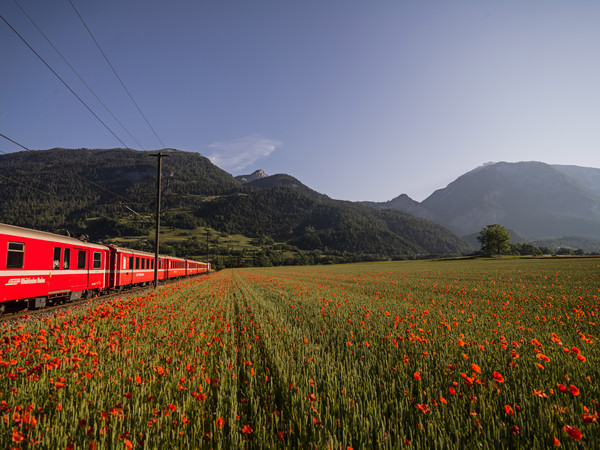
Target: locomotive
[[42, 268]]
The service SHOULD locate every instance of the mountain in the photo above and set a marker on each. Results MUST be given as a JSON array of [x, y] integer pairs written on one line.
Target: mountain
[[404, 203], [310, 223], [537, 201], [282, 179], [51, 189], [256, 175], [110, 193], [587, 177]]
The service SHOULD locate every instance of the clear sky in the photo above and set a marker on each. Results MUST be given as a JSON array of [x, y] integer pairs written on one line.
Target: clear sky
[[360, 100]]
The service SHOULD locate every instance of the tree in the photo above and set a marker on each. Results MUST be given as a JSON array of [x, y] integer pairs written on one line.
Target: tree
[[494, 239]]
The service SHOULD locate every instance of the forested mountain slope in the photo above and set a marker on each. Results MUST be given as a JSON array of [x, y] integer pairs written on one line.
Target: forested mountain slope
[[46, 190]]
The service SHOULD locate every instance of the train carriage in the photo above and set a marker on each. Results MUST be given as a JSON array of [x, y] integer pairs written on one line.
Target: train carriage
[[133, 267], [194, 267], [175, 267], [38, 267]]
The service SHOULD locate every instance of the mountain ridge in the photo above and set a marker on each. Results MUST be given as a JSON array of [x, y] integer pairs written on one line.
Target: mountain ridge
[[538, 200], [195, 193]]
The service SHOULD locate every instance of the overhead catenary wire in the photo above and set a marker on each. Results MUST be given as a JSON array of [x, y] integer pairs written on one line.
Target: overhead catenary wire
[[36, 189], [116, 74], [63, 82], [74, 174], [78, 75], [39, 190]]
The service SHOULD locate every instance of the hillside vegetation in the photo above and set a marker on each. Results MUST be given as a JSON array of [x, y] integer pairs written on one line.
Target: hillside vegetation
[[275, 220]]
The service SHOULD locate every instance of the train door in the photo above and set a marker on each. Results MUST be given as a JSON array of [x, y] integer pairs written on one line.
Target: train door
[[56, 280], [83, 268], [130, 269]]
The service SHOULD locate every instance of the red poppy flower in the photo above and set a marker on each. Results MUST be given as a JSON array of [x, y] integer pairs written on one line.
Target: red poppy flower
[[475, 368], [467, 379], [220, 423], [540, 393], [417, 376], [509, 410], [574, 432], [573, 390], [423, 408], [17, 436], [542, 357], [247, 429], [498, 377]]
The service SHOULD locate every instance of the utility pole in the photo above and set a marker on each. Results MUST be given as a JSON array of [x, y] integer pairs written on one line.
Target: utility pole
[[207, 251], [160, 156]]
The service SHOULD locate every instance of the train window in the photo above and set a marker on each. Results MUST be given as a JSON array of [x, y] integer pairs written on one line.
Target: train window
[[15, 255], [67, 260], [143, 263], [137, 263], [56, 259], [152, 264], [81, 259], [131, 262], [124, 262], [97, 260]]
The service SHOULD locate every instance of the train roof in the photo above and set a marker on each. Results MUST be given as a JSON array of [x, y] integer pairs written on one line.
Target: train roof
[[143, 253], [135, 252], [11, 230]]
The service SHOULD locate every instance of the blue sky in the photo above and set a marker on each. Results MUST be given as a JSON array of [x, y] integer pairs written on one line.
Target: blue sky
[[360, 100]]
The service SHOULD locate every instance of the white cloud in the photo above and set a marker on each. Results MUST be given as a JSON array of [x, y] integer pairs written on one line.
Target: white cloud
[[238, 154]]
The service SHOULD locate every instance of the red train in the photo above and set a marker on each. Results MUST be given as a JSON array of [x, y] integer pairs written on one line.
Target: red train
[[40, 267]]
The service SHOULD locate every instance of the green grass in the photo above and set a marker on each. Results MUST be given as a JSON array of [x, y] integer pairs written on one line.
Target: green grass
[[430, 354]]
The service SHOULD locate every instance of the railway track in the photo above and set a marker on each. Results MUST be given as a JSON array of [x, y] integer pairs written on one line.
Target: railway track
[[16, 313]]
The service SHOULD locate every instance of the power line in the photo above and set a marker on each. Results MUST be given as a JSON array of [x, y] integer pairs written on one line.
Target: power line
[[42, 192], [25, 184], [75, 174], [115, 72], [63, 82], [34, 188], [77, 74]]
